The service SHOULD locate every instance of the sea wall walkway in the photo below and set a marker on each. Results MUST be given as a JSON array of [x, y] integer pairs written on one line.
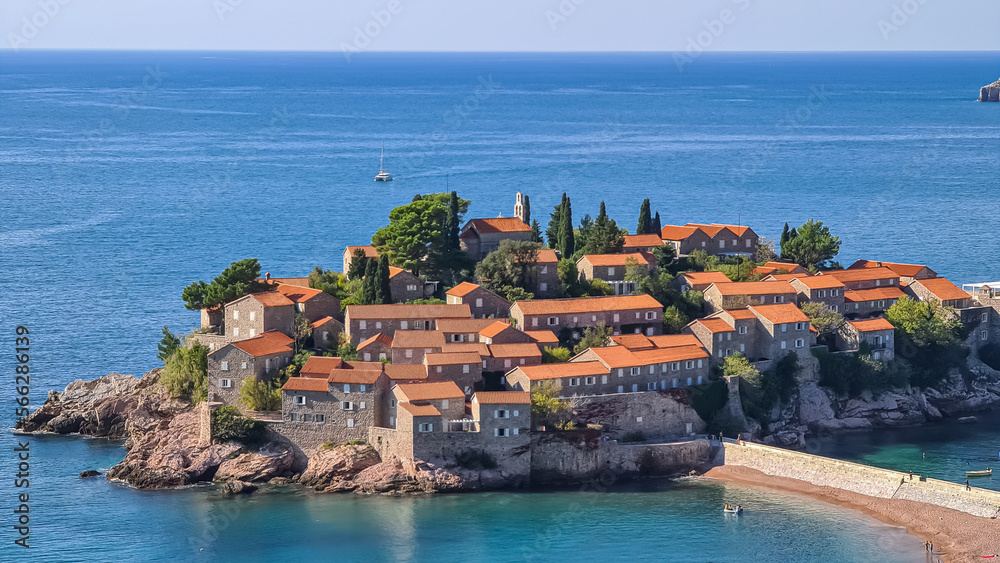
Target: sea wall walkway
[[858, 478]]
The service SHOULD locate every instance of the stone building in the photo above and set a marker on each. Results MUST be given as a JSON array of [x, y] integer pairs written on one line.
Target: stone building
[[312, 304], [906, 272], [369, 251], [698, 281], [641, 243], [376, 348], [410, 346], [479, 237], [444, 396], [738, 295], [865, 278], [772, 268], [870, 302], [716, 239], [503, 333], [364, 321], [465, 330], [647, 368], [547, 274], [504, 357], [624, 314], [573, 378], [257, 358], [257, 313], [878, 334], [404, 286], [760, 332], [612, 268], [939, 290], [465, 369], [820, 289], [483, 302]]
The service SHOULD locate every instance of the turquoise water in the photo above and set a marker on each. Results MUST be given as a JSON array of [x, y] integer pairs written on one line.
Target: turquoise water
[[125, 176]]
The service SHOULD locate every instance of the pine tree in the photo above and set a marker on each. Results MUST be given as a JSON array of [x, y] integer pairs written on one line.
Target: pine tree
[[566, 243], [645, 221], [605, 237], [527, 210], [536, 232], [383, 293], [657, 227], [370, 284], [452, 227], [552, 232], [359, 262], [168, 345]]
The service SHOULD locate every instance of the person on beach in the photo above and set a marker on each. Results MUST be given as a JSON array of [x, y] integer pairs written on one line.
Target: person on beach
[[911, 475], [967, 487]]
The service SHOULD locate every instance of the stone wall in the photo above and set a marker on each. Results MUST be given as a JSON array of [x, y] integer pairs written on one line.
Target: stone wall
[[571, 456], [861, 479], [656, 459], [655, 414]]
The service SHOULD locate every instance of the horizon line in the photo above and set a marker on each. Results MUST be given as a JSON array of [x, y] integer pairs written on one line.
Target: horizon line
[[477, 51]]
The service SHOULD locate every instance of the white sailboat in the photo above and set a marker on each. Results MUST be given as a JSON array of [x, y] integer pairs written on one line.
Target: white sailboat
[[382, 175]]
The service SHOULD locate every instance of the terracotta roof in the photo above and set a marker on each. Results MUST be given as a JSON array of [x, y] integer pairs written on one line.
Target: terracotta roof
[[737, 314], [705, 278], [755, 288], [452, 358], [790, 266], [499, 225], [820, 282], [361, 376], [673, 340], [305, 384], [908, 270], [715, 325], [379, 338], [588, 305], [647, 240], [674, 232], [478, 347], [522, 350], [300, 282], [430, 391], [320, 366], [370, 251], [542, 336], [408, 311], [464, 326], [871, 325], [877, 294], [547, 256], [405, 372], [565, 369], [633, 341], [494, 329], [781, 313], [462, 289], [502, 397], [417, 339], [943, 289], [297, 294], [320, 322], [618, 259], [862, 274], [394, 271], [271, 299], [420, 410], [714, 229], [781, 277], [620, 357], [272, 342]]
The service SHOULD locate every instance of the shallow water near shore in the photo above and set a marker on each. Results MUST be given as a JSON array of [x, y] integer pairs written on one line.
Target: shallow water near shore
[[93, 520]]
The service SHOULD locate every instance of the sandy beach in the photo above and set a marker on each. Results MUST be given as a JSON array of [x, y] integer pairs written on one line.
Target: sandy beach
[[957, 536]]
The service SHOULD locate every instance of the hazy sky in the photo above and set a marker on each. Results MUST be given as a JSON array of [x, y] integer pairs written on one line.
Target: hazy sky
[[503, 25]]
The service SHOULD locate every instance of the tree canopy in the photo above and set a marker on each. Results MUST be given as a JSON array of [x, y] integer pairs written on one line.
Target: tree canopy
[[924, 322], [168, 345], [418, 227], [185, 373], [645, 225], [239, 279], [604, 237], [811, 245], [513, 265]]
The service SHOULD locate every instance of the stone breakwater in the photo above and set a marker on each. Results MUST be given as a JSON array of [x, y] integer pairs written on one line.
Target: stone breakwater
[[858, 478]]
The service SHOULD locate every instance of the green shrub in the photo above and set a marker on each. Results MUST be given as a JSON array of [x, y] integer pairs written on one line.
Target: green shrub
[[260, 395], [228, 424], [185, 373], [634, 437], [555, 355], [990, 355]]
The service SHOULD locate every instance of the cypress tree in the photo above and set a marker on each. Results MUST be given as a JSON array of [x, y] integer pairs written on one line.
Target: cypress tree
[[370, 284], [451, 229], [552, 232], [566, 243], [383, 293], [645, 221], [527, 210], [657, 227], [358, 264], [536, 232], [784, 235]]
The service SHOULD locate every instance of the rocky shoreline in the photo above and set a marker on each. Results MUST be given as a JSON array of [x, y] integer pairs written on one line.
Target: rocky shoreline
[[163, 439]]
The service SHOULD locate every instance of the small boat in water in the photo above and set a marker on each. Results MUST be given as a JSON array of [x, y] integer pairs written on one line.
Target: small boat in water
[[984, 473], [382, 175], [729, 509]]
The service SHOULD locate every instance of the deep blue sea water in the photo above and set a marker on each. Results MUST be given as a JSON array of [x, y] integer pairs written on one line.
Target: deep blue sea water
[[125, 176]]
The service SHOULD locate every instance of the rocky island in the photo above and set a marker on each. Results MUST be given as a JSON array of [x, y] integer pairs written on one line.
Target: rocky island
[[990, 92]]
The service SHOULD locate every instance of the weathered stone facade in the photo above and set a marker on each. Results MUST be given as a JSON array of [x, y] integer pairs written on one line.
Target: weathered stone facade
[[624, 314], [739, 295], [231, 365], [483, 302], [253, 315], [364, 321]]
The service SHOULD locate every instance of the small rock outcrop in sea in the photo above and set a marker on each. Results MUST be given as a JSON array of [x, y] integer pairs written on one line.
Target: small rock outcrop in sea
[[990, 92], [89, 473], [271, 462], [237, 488]]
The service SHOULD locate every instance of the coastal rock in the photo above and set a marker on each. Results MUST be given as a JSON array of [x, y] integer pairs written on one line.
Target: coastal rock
[[990, 92], [237, 488], [328, 467], [89, 473], [65, 423], [814, 404], [256, 467]]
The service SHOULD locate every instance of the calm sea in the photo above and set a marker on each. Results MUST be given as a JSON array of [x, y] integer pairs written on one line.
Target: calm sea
[[125, 176]]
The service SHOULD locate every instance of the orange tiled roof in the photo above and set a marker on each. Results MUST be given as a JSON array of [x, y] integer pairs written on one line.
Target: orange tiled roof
[[871, 325], [320, 366], [297, 294], [464, 326], [522, 350], [705, 278], [620, 357], [420, 410], [407, 311], [417, 339], [370, 251], [673, 340], [755, 288], [877, 294], [781, 277], [715, 325], [542, 337], [499, 225], [361, 376], [494, 329], [451, 358], [462, 289], [618, 259], [737, 314], [820, 282], [676, 232], [588, 305], [502, 397], [430, 391], [394, 271], [478, 347], [565, 369], [547, 256], [781, 313], [640, 241], [943, 289], [269, 343], [271, 299], [305, 384], [908, 270], [379, 338], [862, 274], [320, 322], [633, 341], [790, 266], [406, 372]]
